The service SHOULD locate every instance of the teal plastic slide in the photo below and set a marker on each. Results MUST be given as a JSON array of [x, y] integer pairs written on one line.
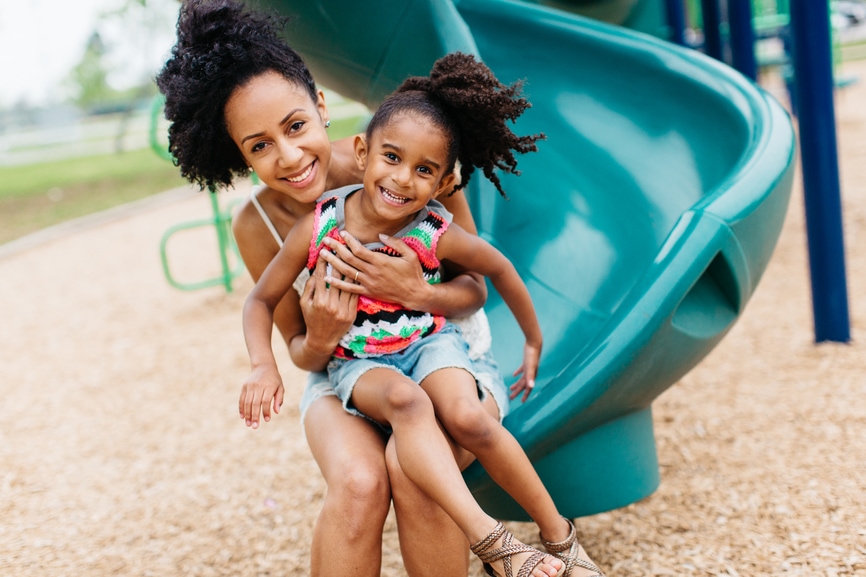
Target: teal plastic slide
[[641, 226]]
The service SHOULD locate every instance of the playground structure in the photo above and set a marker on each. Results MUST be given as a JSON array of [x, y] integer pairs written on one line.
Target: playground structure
[[731, 38], [806, 28], [641, 227], [231, 265]]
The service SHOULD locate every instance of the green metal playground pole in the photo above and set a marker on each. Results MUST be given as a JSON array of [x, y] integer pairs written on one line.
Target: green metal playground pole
[[220, 221]]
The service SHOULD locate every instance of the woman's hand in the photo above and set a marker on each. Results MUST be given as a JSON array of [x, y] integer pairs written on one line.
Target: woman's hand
[[261, 389], [527, 371], [392, 279], [329, 311]]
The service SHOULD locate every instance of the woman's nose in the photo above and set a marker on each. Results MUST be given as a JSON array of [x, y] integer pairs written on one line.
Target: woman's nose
[[289, 154]]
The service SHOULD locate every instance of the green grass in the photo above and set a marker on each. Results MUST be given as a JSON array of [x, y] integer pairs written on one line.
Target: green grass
[[36, 196]]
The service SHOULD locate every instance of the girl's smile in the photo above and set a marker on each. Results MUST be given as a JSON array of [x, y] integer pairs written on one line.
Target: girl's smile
[[405, 166]]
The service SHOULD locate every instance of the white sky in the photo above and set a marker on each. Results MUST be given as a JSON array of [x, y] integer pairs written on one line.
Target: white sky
[[42, 40]]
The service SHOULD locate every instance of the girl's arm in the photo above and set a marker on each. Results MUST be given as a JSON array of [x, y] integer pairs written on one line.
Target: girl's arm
[[325, 315], [264, 384], [400, 279], [308, 349], [471, 252]]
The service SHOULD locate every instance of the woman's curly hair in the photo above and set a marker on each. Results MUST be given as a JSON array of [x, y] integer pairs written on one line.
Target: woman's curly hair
[[221, 45], [465, 99]]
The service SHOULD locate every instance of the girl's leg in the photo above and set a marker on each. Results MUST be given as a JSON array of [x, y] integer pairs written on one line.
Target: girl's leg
[[431, 543], [455, 398], [350, 452], [426, 456]]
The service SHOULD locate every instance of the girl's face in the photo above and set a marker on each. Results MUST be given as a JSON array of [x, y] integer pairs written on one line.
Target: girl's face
[[404, 164], [281, 133]]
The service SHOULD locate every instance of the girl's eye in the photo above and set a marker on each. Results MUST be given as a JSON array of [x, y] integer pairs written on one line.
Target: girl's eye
[[391, 156], [425, 170]]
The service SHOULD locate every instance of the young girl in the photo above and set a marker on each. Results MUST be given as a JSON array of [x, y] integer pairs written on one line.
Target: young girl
[[408, 156]]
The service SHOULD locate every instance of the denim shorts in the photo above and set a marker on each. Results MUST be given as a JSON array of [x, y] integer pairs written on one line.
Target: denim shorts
[[484, 369]]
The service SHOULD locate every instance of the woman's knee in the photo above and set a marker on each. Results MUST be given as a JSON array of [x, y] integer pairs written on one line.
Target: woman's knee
[[361, 485]]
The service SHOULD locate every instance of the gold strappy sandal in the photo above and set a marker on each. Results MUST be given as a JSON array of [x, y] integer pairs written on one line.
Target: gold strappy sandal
[[508, 549], [568, 551]]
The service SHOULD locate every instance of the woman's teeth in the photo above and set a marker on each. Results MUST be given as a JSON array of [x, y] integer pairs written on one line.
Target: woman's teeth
[[301, 176]]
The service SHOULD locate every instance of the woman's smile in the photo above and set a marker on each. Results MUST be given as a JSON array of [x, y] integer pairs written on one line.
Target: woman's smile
[[303, 178]]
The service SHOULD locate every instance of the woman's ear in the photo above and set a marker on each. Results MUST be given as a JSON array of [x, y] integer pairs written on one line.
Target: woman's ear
[[322, 108], [361, 151]]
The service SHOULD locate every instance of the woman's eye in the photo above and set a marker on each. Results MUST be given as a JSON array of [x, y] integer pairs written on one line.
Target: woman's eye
[[296, 126], [258, 147]]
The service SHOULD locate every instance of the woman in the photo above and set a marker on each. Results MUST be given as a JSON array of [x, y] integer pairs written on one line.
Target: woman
[[240, 99]]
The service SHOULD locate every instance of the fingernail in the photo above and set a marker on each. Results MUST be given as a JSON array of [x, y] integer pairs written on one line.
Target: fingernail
[[326, 241], [383, 236], [343, 233]]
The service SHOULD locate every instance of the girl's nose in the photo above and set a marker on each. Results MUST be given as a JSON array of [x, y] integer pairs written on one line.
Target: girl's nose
[[402, 175]]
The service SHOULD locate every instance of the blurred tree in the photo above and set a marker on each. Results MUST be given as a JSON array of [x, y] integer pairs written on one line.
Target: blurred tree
[[88, 81]]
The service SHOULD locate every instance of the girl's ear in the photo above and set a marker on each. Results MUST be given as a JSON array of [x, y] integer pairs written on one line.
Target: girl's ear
[[446, 184], [361, 151]]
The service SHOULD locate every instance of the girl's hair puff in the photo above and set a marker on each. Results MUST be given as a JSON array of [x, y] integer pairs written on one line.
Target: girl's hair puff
[[463, 98], [221, 46]]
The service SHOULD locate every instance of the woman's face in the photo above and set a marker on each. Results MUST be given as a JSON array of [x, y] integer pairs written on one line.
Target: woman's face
[[281, 133]]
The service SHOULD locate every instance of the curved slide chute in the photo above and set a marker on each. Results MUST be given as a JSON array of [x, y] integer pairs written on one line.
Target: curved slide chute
[[641, 227]]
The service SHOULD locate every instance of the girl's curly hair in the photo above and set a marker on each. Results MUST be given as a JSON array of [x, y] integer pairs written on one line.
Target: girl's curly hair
[[221, 45], [465, 99]]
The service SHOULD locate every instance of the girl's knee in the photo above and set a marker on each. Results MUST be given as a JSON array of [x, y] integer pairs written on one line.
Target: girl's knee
[[404, 396], [468, 422]]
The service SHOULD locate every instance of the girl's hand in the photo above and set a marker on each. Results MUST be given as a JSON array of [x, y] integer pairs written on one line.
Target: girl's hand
[[364, 272], [262, 388], [328, 311], [528, 371]]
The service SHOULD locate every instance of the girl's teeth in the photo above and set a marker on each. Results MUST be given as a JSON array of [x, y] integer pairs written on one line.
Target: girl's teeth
[[394, 197], [302, 176]]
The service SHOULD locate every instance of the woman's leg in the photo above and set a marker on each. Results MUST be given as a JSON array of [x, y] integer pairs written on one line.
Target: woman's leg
[[426, 456], [350, 452], [431, 543]]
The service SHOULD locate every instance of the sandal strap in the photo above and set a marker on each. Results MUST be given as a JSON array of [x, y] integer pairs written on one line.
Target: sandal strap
[[488, 541], [568, 551], [509, 548]]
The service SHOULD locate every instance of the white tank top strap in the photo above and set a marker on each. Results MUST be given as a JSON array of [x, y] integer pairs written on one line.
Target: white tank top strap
[[265, 217], [302, 279]]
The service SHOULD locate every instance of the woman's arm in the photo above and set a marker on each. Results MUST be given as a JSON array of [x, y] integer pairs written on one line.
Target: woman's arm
[[474, 253], [400, 279]]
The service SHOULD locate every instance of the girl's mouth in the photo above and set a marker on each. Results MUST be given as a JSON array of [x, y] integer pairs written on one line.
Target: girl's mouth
[[391, 197]]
